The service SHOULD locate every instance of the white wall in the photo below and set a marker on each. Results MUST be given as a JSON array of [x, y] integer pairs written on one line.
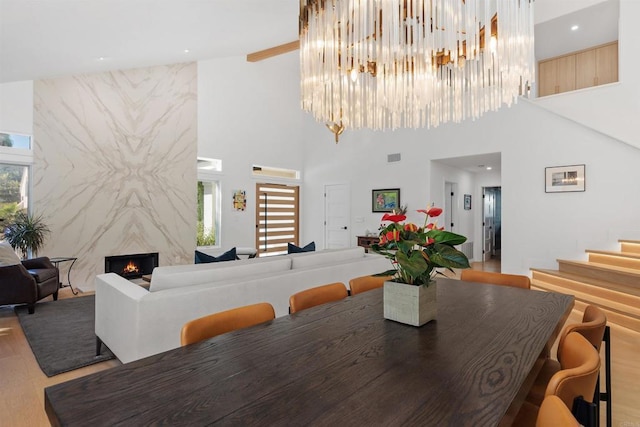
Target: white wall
[[16, 107], [248, 114]]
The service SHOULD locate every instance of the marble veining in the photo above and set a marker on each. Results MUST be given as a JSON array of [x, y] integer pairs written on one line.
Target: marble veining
[[115, 165]]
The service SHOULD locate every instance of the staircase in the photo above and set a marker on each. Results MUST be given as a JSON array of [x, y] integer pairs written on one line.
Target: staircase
[[610, 280]]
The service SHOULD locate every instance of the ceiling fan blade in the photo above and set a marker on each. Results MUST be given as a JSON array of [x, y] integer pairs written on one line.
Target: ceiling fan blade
[[273, 51]]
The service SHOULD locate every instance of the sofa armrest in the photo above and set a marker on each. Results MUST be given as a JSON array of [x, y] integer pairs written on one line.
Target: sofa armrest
[[18, 286], [36, 263], [117, 315]]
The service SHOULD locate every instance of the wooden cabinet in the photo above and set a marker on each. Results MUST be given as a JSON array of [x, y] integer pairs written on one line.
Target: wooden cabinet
[[367, 241], [578, 70]]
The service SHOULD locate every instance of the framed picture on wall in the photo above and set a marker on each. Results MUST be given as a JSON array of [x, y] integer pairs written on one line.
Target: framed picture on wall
[[467, 202], [561, 179], [385, 200]]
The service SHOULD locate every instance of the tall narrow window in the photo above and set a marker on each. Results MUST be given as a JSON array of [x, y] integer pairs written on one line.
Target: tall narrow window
[[277, 218], [14, 192], [207, 213]]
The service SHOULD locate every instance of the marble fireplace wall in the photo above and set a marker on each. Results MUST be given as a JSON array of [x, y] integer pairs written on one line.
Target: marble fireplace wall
[[115, 165]]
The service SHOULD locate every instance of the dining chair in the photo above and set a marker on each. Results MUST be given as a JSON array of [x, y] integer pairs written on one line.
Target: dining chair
[[366, 283], [514, 280], [592, 328], [225, 321], [316, 296], [581, 365], [554, 413]]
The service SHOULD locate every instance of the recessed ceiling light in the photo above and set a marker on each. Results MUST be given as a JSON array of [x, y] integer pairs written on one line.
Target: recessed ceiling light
[[186, 51], [101, 58], [489, 168], [575, 27]]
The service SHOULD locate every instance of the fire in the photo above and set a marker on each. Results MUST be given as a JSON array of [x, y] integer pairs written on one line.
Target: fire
[[131, 268]]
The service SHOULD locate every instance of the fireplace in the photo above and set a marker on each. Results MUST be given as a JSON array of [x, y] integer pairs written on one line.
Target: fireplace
[[131, 266]]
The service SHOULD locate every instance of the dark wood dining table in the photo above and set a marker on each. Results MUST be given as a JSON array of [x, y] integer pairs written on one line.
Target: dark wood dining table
[[336, 364]]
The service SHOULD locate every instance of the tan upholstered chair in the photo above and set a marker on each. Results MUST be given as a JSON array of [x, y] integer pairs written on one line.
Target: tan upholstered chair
[[581, 365], [592, 328], [554, 413], [316, 296], [366, 283], [225, 321], [514, 280]]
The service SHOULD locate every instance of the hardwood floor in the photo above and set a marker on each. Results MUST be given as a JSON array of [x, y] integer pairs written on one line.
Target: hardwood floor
[[22, 382]]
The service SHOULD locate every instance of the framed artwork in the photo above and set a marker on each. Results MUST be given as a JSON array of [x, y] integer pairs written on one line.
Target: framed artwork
[[560, 179], [239, 200], [467, 202], [385, 200]]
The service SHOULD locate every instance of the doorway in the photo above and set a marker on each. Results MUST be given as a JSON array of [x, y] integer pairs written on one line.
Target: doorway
[[450, 205], [491, 223]]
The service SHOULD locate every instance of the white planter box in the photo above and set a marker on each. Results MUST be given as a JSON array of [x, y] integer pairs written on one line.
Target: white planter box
[[410, 304]]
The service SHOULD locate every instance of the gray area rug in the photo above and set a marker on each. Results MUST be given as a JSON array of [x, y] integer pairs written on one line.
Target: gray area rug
[[61, 334]]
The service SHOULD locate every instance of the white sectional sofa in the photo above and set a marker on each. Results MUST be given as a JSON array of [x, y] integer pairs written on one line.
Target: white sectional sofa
[[135, 322]]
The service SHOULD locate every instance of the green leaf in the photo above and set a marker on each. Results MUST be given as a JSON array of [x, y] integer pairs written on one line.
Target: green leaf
[[414, 265], [446, 237], [447, 256]]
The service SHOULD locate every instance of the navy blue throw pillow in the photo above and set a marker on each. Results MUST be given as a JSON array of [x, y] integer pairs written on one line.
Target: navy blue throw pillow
[[201, 257], [293, 249]]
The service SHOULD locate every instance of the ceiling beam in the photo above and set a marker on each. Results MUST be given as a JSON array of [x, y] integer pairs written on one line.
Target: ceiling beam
[[273, 51]]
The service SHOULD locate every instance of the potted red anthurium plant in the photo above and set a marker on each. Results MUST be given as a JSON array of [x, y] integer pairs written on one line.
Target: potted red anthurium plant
[[416, 252]]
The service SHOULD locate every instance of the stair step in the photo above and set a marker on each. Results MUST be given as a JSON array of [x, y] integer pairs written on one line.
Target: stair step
[[617, 278], [620, 259], [617, 313], [597, 288], [630, 246]]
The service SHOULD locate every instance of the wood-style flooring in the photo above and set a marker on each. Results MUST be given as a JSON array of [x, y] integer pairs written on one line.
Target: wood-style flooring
[[22, 382]]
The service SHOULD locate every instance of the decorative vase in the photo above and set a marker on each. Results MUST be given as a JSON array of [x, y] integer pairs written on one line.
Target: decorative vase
[[410, 304]]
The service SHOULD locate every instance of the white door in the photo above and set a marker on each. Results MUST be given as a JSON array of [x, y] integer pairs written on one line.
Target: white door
[[487, 224], [336, 216]]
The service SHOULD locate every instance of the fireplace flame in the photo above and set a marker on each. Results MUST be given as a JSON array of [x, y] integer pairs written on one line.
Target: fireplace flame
[[131, 268]]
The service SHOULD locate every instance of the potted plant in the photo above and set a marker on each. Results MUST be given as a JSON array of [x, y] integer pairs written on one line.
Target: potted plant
[[27, 233], [416, 253]]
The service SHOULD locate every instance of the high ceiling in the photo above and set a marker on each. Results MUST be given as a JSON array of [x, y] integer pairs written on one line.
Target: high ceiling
[[50, 38]]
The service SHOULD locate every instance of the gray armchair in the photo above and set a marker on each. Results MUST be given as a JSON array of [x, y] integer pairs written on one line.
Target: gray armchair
[[28, 282]]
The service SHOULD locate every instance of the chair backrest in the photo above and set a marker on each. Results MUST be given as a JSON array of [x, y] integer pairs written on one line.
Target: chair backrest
[[514, 280], [316, 296], [554, 413], [226, 321], [579, 373], [366, 283], [594, 322]]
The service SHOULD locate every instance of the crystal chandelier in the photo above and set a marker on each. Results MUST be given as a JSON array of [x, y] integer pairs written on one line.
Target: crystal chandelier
[[386, 64]]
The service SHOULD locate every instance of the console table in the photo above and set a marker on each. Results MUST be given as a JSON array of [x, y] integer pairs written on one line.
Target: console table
[[367, 241], [57, 261]]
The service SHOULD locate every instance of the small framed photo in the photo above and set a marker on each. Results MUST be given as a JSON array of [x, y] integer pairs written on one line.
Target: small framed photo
[[385, 200], [467, 202], [560, 179]]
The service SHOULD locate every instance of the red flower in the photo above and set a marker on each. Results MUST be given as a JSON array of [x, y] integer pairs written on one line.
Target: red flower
[[393, 217], [393, 236], [411, 227], [433, 212]]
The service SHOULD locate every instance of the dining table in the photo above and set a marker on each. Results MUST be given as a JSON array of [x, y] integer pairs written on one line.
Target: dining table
[[339, 363]]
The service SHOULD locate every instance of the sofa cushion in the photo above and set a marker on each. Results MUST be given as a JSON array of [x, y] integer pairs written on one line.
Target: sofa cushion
[[180, 276], [8, 255], [202, 258], [293, 249], [43, 274], [325, 257]]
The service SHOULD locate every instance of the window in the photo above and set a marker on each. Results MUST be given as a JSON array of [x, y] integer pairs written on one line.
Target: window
[[277, 218], [262, 171], [208, 226], [14, 191], [15, 160]]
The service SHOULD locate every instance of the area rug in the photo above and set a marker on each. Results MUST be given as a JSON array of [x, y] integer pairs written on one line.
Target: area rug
[[61, 334]]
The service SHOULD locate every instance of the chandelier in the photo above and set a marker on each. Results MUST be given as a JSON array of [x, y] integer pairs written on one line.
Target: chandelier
[[386, 64]]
